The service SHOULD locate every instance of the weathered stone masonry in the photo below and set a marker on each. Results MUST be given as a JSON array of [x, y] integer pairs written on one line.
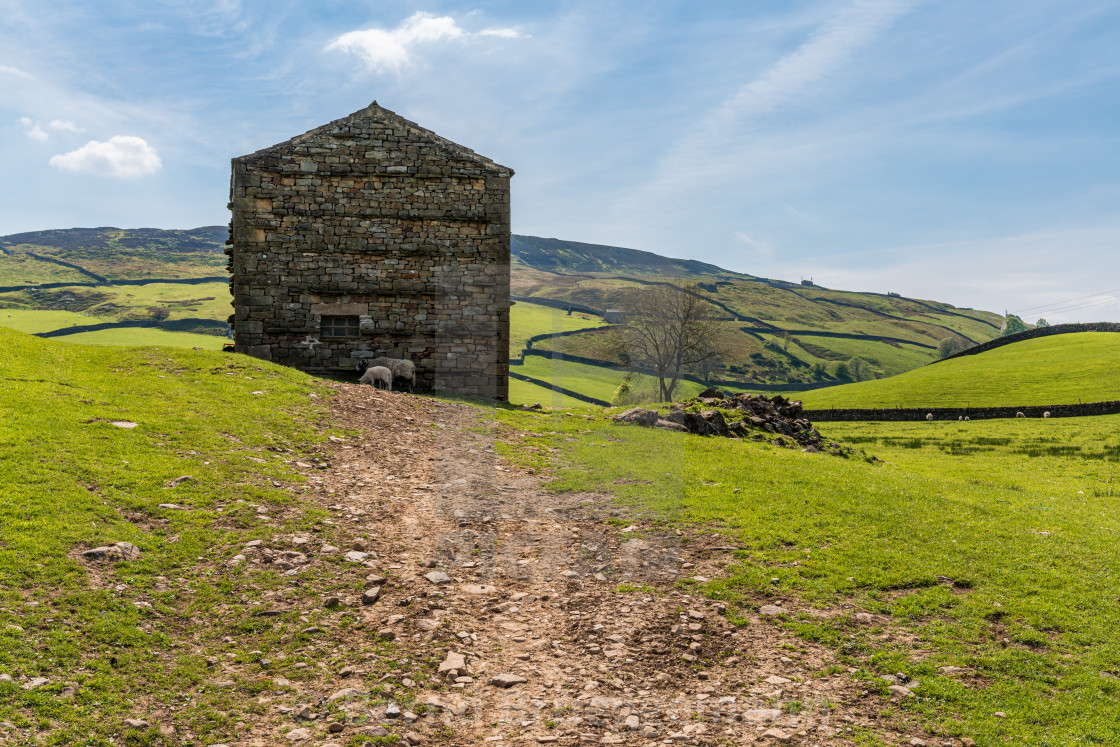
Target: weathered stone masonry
[[373, 236]]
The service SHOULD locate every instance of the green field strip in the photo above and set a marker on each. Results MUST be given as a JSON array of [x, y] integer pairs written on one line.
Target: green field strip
[[1062, 369]]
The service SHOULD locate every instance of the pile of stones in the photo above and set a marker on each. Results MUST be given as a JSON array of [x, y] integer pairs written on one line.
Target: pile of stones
[[757, 417]]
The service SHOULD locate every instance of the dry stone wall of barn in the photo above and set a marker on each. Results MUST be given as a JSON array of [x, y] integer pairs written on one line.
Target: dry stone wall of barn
[[374, 221]]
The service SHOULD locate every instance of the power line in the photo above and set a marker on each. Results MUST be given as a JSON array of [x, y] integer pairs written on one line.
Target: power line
[[1068, 301], [1077, 306]]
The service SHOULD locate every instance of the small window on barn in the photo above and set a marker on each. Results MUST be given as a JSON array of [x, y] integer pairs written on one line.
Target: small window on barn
[[339, 326]]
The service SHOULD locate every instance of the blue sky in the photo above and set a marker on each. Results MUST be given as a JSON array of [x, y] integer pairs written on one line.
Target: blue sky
[[950, 149]]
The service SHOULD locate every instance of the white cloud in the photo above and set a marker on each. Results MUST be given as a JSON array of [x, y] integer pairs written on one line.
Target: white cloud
[[9, 70], [122, 157], [65, 126], [503, 33], [33, 131], [388, 50]]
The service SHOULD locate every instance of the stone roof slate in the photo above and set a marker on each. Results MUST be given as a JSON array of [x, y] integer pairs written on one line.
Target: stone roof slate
[[380, 114]]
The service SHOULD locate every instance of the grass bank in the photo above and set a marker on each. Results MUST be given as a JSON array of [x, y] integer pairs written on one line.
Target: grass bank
[[1062, 369], [92, 442]]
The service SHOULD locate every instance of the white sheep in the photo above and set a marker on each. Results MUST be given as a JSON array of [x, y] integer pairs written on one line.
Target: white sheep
[[1046, 414], [403, 369], [960, 418], [1020, 415], [375, 374], [966, 418], [929, 417]]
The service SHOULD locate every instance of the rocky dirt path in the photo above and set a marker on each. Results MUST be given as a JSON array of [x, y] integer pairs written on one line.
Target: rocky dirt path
[[503, 602]]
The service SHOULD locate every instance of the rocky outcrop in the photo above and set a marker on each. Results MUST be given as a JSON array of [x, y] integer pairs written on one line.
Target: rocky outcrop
[[777, 420]]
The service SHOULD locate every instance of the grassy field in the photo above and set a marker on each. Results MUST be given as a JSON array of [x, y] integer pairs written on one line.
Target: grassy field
[[1062, 369], [991, 547], [592, 381], [41, 320], [527, 393], [72, 481], [140, 336], [529, 319], [172, 635], [18, 268], [205, 301]]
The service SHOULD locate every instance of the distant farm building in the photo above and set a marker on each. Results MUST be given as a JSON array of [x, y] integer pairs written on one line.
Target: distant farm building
[[614, 316], [373, 236]]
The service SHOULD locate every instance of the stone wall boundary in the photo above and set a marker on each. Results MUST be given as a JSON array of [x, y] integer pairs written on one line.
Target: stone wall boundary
[[899, 414]]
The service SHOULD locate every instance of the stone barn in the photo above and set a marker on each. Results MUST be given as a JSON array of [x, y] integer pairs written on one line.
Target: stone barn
[[373, 236]]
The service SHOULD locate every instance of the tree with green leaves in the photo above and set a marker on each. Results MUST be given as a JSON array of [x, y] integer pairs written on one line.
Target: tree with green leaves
[[1012, 325], [949, 346], [860, 369]]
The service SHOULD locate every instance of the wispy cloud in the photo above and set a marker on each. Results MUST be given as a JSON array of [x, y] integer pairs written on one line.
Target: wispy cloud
[[63, 125], [121, 157], [761, 247], [33, 130], [1040, 273], [389, 50], [714, 151], [16, 72]]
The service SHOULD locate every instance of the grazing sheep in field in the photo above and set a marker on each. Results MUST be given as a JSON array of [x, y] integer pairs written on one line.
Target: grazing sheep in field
[[375, 374], [929, 417], [960, 418], [1020, 415], [1046, 414], [966, 418], [404, 370]]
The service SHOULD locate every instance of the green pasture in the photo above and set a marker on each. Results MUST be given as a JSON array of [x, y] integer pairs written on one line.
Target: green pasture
[[17, 268], [527, 393], [884, 357], [205, 301], [1062, 369], [132, 638], [992, 546], [42, 320], [529, 319], [592, 381], [140, 336]]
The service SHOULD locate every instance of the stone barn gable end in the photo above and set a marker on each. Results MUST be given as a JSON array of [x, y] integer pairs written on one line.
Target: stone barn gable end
[[373, 236]]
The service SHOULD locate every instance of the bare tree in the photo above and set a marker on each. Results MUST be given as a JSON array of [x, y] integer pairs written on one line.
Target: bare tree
[[670, 328]]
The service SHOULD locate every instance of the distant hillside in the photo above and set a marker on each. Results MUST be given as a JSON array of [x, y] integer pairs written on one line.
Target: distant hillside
[[557, 255], [111, 254], [776, 332], [1060, 369]]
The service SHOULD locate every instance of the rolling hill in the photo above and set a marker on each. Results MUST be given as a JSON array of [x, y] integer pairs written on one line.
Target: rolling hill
[[1063, 369], [776, 333]]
